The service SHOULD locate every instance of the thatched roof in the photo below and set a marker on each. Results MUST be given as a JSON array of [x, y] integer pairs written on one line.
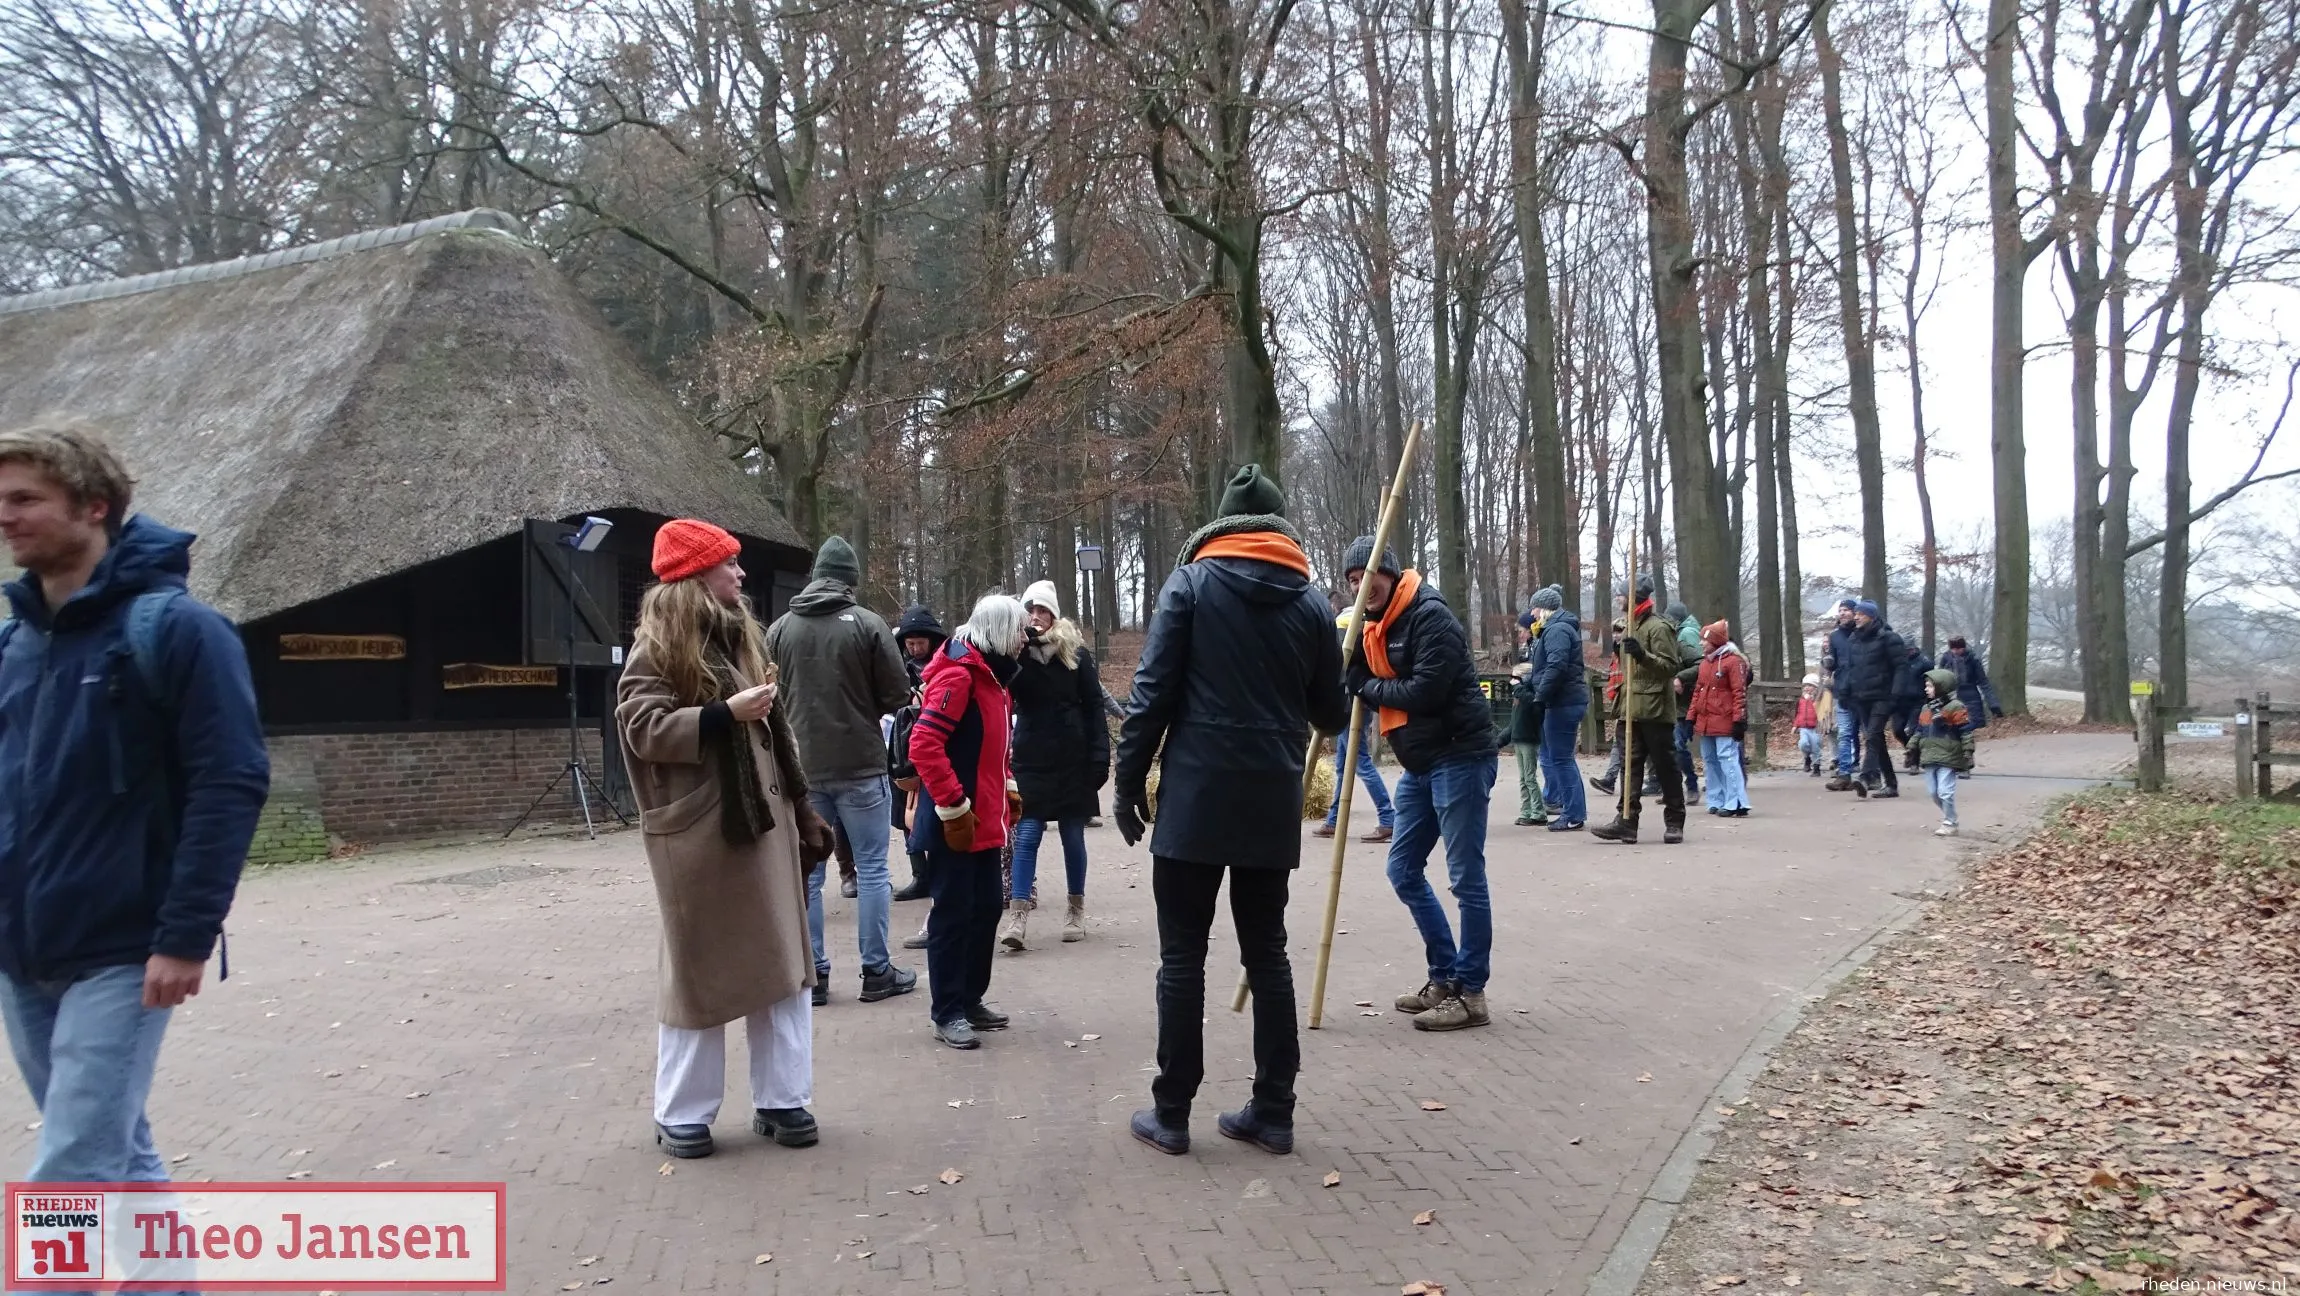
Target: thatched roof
[[338, 413]]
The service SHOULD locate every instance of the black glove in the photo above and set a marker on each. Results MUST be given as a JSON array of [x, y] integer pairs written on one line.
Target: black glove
[[1634, 646], [1356, 676], [1740, 730], [1132, 813]]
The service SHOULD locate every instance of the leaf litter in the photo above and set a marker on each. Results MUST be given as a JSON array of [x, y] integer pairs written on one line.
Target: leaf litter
[[2074, 1076]]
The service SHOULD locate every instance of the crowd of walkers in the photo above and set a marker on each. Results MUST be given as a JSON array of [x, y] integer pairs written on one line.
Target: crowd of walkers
[[759, 753]]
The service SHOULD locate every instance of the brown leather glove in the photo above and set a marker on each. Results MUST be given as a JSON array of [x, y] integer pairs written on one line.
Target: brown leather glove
[[1013, 806], [907, 784], [816, 840], [958, 834]]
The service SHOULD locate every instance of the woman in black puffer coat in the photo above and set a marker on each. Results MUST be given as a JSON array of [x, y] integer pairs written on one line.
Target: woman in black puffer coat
[[1061, 759]]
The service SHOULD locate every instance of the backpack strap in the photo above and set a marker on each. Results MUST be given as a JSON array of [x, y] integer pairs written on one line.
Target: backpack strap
[[147, 613]]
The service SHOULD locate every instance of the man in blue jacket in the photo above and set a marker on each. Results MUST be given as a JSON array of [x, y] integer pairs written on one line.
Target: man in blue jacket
[[134, 767]]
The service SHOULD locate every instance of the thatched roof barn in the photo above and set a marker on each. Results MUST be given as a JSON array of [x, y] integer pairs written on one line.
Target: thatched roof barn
[[333, 414], [377, 441]]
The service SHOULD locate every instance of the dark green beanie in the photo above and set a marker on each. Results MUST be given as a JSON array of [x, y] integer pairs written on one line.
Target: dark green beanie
[[1250, 494], [836, 561]]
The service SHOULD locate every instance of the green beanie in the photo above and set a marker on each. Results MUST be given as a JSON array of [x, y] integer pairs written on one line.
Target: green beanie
[[836, 561], [1250, 494]]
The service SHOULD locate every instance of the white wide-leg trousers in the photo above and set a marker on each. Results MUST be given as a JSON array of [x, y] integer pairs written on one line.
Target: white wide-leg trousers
[[691, 1065]]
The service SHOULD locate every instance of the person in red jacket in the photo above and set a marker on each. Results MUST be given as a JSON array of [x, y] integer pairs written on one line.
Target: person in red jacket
[[1719, 713], [960, 745]]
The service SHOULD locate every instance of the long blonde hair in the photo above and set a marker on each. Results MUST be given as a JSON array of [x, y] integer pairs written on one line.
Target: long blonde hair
[[681, 626], [1065, 640]]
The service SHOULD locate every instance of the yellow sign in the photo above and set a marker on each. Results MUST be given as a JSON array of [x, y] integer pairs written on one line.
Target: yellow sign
[[463, 675], [324, 647], [2142, 688]]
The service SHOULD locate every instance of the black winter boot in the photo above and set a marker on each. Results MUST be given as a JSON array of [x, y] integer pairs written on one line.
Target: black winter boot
[[920, 870]]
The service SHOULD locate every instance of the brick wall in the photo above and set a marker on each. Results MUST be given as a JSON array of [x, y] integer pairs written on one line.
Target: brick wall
[[380, 787]]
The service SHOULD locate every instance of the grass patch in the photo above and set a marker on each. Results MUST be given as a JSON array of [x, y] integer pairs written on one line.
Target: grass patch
[[2253, 836]]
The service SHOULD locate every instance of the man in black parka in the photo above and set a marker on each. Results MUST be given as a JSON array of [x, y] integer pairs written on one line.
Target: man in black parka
[[1241, 662]]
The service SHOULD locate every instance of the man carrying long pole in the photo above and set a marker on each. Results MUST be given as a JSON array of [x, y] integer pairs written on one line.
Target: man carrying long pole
[[1649, 707], [1241, 662]]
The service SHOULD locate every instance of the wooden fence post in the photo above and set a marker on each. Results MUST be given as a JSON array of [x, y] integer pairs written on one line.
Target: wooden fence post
[[1760, 726], [2242, 717], [2150, 733], [2263, 746]]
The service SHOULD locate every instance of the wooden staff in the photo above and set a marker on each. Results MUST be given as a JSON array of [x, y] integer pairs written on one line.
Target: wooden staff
[[1392, 508], [1628, 672]]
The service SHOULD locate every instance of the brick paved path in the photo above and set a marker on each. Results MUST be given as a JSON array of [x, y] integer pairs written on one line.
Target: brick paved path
[[486, 1013]]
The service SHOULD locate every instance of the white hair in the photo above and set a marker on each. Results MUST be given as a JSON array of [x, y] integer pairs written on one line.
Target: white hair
[[995, 626]]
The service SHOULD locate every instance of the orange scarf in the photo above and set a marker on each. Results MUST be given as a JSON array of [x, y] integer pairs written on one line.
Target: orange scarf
[[1376, 642], [1262, 546]]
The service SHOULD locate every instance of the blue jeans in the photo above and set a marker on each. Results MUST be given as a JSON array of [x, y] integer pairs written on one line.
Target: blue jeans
[[1809, 746], [864, 809], [1450, 801], [1721, 755], [1943, 779], [1028, 834], [1848, 731], [1560, 728], [1368, 774], [1685, 765]]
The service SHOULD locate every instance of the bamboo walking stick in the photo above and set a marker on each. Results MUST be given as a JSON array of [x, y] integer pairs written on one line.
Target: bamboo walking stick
[[1392, 508], [1629, 775]]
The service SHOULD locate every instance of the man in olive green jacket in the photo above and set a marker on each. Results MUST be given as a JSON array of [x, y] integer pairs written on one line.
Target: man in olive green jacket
[[1649, 702]]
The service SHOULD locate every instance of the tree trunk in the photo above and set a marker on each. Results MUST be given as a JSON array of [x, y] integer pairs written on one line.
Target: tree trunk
[[2010, 255], [1553, 520], [1860, 352], [1705, 559]]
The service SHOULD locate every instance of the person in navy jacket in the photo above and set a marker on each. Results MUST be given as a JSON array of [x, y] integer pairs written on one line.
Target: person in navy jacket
[[134, 768]]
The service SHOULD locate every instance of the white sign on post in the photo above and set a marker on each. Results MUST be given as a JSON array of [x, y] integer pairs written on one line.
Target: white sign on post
[[2201, 729]]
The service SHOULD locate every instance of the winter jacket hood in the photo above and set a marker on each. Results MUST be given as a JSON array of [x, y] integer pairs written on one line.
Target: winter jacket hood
[[127, 815], [1945, 727], [1720, 692], [919, 620], [1558, 678], [840, 671]]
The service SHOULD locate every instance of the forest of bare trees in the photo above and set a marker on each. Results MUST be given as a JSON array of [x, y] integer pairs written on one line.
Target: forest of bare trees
[[973, 282]]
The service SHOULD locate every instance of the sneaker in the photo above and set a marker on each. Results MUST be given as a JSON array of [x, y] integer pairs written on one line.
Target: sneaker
[[959, 1034], [1886, 794], [1604, 785], [1565, 825], [787, 1126], [1524, 822], [1246, 1126], [1861, 789], [888, 982], [1673, 835], [1429, 996], [822, 988], [1458, 1012], [1147, 1128], [916, 942], [847, 887], [1379, 835], [1838, 784], [1094, 822], [1945, 830], [1322, 830], [1617, 831], [984, 1017], [684, 1141]]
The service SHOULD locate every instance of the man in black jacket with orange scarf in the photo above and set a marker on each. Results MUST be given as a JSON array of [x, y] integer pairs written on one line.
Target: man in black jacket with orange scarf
[[1414, 667], [1241, 662]]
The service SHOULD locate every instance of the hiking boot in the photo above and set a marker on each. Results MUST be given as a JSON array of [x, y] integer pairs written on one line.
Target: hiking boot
[[1945, 830], [1885, 794], [787, 1126], [684, 1141], [917, 888], [984, 1017], [1618, 831], [1838, 784], [1147, 1128], [1074, 920], [1013, 934], [1604, 785], [1458, 1012], [1673, 834], [1379, 835], [822, 992], [888, 982], [1861, 788], [959, 1034], [1429, 996], [1524, 822], [1322, 830], [1247, 1126], [847, 886]]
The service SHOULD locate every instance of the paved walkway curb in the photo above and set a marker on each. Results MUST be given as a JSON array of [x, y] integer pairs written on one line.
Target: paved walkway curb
[[1625, 1264]]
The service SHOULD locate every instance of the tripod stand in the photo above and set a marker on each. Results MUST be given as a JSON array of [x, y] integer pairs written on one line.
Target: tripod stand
[[582, 784]]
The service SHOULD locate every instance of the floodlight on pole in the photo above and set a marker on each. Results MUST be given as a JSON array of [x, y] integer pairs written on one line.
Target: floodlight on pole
[[1090, 557]]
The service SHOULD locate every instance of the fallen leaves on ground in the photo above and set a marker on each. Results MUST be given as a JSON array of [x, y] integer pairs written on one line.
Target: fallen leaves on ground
[[1333, 1179], [1423, 1288], [1432, 1104], [665, 1168], [2075, 1076], [763, 1257], [950, 1177], [1426, 1217]]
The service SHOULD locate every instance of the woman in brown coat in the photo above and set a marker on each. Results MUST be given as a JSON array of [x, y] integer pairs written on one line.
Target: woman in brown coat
[[729, 838]]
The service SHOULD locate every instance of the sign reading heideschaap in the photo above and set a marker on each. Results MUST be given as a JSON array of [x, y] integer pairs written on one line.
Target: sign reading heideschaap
[[255, 1237]]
